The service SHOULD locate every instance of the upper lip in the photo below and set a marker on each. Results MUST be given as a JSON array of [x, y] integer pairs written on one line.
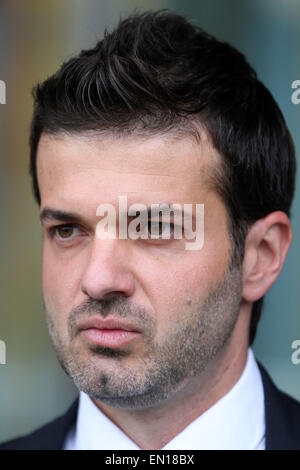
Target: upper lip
[[106, 324]]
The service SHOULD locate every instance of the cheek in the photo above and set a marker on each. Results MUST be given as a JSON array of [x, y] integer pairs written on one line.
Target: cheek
[[183, 283], [172, 285], [51, 285], [59, 282]]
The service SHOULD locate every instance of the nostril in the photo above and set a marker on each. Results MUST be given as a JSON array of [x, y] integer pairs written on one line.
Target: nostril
[[112, 295]]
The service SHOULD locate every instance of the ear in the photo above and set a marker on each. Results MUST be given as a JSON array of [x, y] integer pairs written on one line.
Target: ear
[[266, 247]]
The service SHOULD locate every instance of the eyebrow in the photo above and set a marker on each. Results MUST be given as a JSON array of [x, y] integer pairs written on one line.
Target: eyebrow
[[49, 214], [54, 214]]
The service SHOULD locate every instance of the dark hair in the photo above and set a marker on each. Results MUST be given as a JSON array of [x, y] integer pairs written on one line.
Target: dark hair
[[156, 72]]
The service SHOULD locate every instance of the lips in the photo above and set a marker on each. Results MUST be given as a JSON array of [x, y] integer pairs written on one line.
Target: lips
[[111, 333]]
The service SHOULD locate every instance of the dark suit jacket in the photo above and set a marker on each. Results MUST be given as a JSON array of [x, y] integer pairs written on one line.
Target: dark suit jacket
[[282, 424]]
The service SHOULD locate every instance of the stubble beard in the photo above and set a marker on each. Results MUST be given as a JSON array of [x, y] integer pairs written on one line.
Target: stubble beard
[[192, 342]]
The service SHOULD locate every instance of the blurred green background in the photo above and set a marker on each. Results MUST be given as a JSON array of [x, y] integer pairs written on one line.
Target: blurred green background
[[35, 37]]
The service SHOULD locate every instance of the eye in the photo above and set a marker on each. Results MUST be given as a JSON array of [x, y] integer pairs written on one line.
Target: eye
[[159, 229], [65, 232], [155, 230]]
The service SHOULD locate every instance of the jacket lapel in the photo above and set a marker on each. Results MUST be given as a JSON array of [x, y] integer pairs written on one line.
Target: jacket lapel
[[282, 414]]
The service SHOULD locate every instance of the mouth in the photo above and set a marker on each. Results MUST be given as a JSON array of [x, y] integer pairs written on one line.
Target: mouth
[[110, 333]]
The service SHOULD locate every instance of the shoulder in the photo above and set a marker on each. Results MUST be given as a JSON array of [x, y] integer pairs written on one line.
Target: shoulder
[[48, 437], [282, 416]]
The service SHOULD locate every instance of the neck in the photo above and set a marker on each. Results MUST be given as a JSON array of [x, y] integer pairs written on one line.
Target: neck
[[154, 427]]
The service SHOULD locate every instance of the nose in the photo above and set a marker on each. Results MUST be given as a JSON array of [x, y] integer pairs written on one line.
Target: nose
[[107, 272]]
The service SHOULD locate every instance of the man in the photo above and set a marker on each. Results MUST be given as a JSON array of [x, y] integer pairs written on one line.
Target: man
[[157, 337]]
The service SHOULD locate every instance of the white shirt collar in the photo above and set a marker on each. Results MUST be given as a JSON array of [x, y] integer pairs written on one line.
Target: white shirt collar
[[236, 421]]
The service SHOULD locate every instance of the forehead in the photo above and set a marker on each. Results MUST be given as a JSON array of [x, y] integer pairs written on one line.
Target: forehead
[[76, 166]]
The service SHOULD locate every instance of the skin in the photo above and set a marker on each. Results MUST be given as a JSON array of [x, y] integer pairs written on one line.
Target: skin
[[192, 310]]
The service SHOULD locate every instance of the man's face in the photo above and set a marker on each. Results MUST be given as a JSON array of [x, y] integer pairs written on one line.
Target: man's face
[[180, 306]]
